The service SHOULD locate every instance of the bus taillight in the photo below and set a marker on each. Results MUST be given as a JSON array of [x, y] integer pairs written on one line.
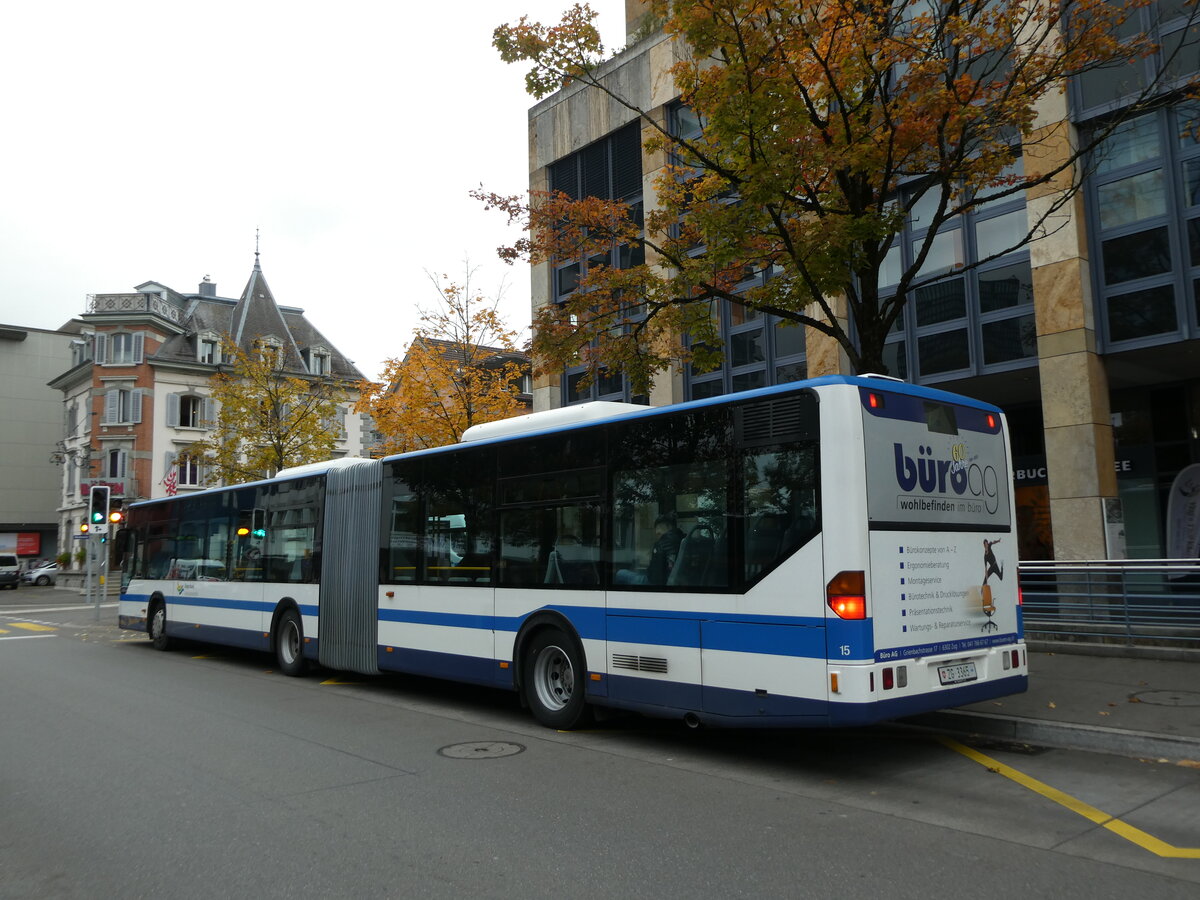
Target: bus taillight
[[846, 595]]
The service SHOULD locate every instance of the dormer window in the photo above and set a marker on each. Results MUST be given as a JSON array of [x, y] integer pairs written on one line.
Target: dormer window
[[208, 349], [317, 359], [270, 350]]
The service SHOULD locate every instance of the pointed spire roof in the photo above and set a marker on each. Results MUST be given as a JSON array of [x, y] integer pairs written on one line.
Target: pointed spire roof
[[257, 315]]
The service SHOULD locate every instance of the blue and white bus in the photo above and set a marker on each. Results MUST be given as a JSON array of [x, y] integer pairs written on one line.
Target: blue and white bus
[[832, 552]]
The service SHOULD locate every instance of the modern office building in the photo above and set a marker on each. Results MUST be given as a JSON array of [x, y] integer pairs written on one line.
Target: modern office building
[[1089, 338], [31, 424]]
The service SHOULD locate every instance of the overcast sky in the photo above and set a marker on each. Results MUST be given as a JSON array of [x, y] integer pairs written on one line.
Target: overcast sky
[[147, 140]]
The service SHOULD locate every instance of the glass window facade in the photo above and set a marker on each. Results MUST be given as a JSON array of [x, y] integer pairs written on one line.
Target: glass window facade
[[974, 323], [1144, 206]]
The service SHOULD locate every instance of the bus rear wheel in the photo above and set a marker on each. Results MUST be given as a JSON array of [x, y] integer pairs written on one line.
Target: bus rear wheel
[[157, 626], [289, 644], [553, 680]]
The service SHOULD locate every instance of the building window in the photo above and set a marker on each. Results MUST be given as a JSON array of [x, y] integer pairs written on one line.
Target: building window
[[271, 350], [1170, 23], [189, 411], [115, 462], [966, 324], [122, 406], [1144, 208], [610, 169], [120, 348], [81, 350], [317, 359], [209, 350]]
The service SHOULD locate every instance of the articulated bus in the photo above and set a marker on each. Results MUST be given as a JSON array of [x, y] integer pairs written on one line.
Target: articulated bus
[[831, 552]]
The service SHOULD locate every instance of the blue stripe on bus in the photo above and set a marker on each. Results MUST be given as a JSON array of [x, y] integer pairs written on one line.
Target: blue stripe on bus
[[220, 603], [247, 638], [965, 645], [451, 666]]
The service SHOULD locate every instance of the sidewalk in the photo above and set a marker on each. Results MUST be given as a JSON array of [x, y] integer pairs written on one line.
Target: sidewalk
[[1147, 708]]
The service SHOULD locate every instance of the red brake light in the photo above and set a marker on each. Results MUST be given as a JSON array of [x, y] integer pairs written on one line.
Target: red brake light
[[846, 595], [873, 401], [1020, 596], [991, 420]]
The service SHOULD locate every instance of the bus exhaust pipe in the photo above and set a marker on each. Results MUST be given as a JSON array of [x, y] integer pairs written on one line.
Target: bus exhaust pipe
[[691, 720]]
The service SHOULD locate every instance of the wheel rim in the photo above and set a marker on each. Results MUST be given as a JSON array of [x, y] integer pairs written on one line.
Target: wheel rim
[[289, 642], [553, 678], [157, 621]]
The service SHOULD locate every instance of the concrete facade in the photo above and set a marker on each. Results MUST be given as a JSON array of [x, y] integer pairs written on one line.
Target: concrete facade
[[30, 427]]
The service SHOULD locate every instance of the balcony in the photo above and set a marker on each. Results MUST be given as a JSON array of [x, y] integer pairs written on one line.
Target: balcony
[[122, 304]]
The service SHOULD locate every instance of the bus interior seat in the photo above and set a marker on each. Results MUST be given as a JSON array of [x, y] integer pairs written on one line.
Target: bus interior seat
[[571, 562], [764, 536], [695, 550]]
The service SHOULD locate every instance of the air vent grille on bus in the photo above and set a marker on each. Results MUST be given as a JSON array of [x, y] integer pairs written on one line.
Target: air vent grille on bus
[[639, 663], [772, 420]]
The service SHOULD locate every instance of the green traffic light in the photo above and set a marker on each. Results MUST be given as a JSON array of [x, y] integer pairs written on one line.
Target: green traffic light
[[97, 516]]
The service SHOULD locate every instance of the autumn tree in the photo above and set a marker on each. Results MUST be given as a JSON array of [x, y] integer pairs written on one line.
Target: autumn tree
[[267, 419], [462, 368], [822, 125]]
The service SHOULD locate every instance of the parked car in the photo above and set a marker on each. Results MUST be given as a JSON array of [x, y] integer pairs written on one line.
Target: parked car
[[10, 571], [42, 575]]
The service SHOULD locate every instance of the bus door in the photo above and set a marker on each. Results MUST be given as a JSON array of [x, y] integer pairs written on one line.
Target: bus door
[[348, 624]]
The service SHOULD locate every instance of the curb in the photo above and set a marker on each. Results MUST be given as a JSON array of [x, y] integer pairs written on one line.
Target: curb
[[1062, 735]]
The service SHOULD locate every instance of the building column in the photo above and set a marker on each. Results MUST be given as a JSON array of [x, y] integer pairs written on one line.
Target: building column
[[1075, 402], [823, 354]]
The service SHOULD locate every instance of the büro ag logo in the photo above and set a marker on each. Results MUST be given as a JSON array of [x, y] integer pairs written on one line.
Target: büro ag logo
[[954, 474]]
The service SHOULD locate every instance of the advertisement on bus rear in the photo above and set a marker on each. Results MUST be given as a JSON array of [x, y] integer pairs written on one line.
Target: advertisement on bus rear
[[943, 551], [942, 592], [934, 465]]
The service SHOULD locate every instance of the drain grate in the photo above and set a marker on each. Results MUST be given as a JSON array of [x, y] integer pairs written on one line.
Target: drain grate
[[481, 750]]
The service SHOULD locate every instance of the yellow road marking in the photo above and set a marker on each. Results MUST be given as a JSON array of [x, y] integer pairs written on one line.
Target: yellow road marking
[[1075, 805], [3, 631], [335, 681], [30, 626]]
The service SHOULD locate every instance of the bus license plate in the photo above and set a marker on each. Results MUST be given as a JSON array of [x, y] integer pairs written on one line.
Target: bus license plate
[[957, 673]]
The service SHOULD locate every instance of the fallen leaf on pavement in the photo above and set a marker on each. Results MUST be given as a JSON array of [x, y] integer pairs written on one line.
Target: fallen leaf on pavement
[[1052, 705], [1189, 763]]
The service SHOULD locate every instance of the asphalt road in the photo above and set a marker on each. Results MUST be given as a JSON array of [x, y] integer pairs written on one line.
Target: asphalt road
[[202, 772]]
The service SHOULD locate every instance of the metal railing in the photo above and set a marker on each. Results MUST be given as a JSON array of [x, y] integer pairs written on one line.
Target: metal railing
[[1150, 602], [124, 303]]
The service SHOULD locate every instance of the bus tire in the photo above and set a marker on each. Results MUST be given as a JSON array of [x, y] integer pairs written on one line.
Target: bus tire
[[289, 644], [553, 680], [156, 626]]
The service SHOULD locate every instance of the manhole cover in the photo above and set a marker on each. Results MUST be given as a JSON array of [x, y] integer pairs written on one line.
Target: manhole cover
[[1169, 698], [481, 750]]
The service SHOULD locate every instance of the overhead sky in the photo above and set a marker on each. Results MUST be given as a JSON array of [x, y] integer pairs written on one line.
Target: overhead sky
[[146, 141]]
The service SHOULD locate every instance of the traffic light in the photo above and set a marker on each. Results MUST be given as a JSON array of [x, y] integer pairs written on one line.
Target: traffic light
[[84, 527], [98, 508], [115, 514]]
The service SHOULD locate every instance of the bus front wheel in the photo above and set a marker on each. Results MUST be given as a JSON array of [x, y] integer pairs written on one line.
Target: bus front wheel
[[157, 627], [289, 644], [553, 680]]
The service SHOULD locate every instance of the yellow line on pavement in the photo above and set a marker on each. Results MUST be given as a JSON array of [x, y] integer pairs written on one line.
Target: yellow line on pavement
[[30, 626], [1113, 824]]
